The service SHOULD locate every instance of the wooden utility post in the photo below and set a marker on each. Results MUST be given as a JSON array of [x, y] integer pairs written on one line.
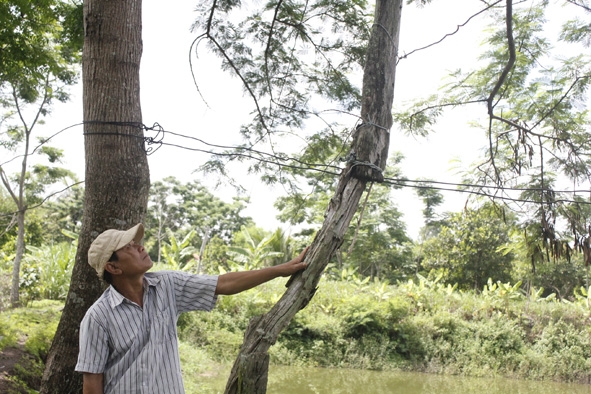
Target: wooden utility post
[[367, 161], [117, 177]]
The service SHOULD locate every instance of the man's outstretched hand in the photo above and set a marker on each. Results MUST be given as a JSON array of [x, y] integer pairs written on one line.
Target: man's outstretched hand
[[294, 265]]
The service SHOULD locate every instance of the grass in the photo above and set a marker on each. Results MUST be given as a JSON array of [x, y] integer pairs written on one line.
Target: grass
[[28, 332]]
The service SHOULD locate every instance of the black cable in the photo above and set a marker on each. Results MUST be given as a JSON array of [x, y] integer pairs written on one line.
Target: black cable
[[264, 157]]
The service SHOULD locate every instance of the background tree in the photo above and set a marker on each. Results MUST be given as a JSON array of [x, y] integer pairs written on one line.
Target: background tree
[[159, 216], [208, 215], [376, 243], [34, 236], [216, 254], [117, 176], [467, 250], [64, 213], [36, 66], [432, 198], [535, 122], [185, 207]]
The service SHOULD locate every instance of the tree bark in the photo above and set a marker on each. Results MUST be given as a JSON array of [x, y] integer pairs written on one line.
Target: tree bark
[[22, 210], [368, 160], [20, 251], [117, 174]]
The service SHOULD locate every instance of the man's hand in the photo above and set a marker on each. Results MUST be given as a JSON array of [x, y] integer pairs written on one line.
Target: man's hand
[[294, 265]]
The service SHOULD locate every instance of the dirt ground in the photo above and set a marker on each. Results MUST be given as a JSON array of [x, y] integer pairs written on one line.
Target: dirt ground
[[9, 357]]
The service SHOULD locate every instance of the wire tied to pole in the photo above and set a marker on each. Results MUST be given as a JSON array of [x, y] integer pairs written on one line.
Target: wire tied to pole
[[157, 139], [351, 159]]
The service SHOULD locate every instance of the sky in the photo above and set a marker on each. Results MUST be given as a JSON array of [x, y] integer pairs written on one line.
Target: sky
[[169, 97]]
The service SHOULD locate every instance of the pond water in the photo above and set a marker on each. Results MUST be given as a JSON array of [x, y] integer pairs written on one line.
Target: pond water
[[295, 380]]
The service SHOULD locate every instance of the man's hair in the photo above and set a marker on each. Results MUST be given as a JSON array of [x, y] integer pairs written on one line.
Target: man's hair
[[106, 274]]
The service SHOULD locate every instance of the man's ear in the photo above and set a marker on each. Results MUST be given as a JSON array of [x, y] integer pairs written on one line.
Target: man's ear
[[112, 268]]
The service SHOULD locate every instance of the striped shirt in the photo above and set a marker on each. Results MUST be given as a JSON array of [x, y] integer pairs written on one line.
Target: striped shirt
[[136, 348]]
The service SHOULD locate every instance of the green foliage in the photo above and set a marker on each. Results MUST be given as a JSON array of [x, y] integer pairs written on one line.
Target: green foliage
[[423, 326], [568, 343], [295, 33], [432, 198], [294, 59], [582, 295], [35, 231], [466, 250], [64, 215], [182, 208], [535, 87], [48, 269], [196, 365], [215, 257], [426, 326], [38, 37], [33, 327], [179, 254], [250, 251], [576, 30], [38, 63], [501, 294]]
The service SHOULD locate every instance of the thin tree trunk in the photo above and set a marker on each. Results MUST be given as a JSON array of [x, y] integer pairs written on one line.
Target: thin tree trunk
[[370, 150], [22, 209], [204, 241], [160, 235], [16, 265], [117, 175], [19, 198]]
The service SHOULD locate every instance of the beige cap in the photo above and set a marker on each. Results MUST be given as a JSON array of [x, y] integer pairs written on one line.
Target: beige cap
[[106, 243]]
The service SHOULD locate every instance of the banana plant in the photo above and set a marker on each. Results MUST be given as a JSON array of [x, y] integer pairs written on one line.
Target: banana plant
[[583, 295], [175, 252], [253, 254]]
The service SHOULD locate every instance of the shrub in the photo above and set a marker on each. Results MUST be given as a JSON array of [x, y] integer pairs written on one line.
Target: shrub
[[47, 271]]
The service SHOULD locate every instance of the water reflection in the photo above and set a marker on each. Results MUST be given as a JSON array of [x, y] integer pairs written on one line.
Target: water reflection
[[295, 380]]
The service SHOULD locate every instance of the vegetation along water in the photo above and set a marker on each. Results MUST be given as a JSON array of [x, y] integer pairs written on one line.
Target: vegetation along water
[[353, 329]]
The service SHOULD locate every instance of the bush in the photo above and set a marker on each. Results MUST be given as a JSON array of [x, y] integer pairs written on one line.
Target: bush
[[424, 326], [47, 271]]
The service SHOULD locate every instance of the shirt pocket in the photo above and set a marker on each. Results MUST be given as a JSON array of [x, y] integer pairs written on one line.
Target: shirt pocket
[[164, 326]]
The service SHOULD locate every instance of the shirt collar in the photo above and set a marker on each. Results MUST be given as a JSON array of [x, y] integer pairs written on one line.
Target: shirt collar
[[116, 298], [151, 280]]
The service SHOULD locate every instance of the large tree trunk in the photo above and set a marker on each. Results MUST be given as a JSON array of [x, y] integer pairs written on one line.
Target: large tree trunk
[[117, 175], [369, 154]]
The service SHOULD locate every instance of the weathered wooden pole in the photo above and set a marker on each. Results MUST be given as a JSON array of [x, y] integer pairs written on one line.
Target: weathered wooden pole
[[368, 156]]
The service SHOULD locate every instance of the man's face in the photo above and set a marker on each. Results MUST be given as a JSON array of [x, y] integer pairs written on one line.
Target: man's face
[[133, 259]]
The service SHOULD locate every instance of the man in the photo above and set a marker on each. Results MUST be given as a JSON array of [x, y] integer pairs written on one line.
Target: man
[[128, 337]]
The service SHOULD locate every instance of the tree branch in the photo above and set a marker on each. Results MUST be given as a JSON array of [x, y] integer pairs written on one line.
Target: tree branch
[[449, 34]]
